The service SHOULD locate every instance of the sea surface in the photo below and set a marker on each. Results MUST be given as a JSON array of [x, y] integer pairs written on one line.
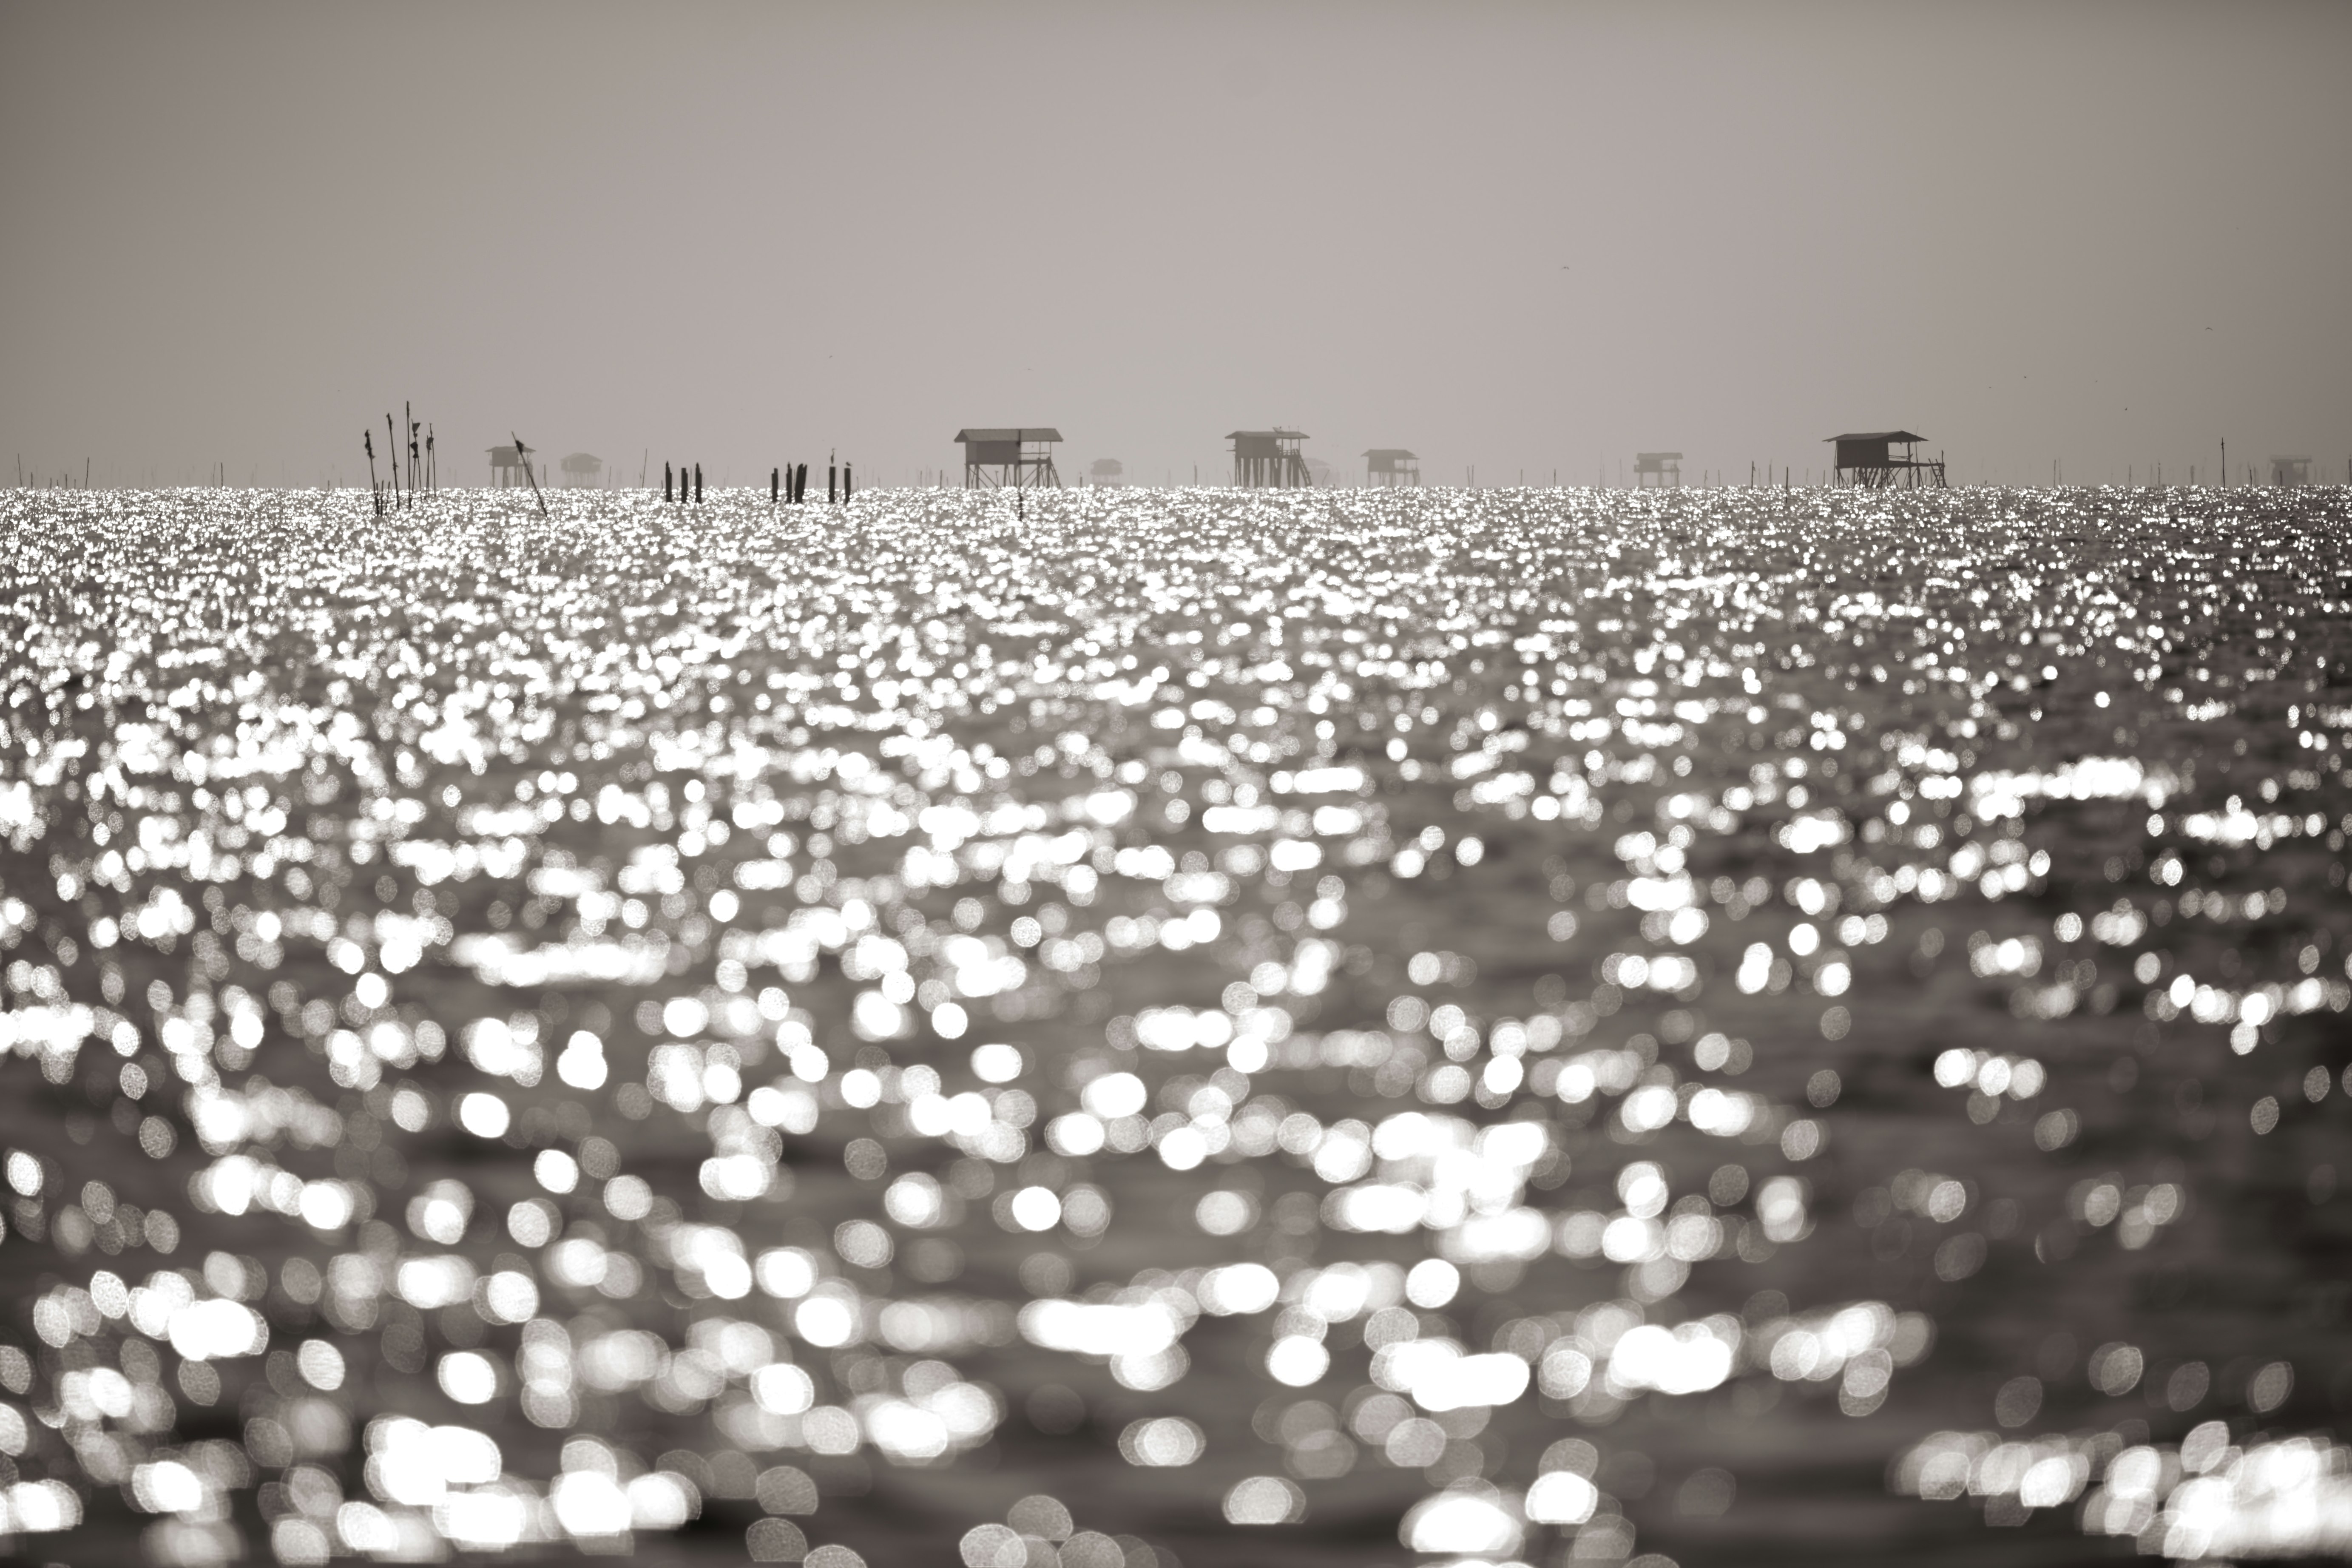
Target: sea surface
[[1126, 1028]]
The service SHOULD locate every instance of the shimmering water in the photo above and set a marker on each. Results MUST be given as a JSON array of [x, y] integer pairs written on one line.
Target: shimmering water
[[1176, 1026]]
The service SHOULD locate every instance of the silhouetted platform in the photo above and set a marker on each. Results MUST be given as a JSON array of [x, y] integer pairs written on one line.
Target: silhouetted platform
[[1018, 458], [1867, 460], [1269, 460], [1659, 469]]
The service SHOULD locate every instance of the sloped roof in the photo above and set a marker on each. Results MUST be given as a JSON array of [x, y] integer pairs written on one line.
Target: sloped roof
[[1025, 432], [1274, 434], [1390, 452], [1877, 436]]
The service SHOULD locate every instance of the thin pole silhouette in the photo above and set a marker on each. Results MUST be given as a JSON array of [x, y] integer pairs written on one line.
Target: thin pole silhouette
[[524, 452]]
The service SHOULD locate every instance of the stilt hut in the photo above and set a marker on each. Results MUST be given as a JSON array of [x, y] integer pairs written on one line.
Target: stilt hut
[[1868, 460], [1269, 460], [1018, 458], [1662, 469]]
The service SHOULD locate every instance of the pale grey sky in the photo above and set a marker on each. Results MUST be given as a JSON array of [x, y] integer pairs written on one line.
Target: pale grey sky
[[1522, 236]]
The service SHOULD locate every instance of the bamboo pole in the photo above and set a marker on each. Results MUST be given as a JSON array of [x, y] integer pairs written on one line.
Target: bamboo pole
[[523, 453]]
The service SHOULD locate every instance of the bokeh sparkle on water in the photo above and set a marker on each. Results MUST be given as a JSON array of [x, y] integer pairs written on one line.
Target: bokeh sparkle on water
[[1176, 1026]]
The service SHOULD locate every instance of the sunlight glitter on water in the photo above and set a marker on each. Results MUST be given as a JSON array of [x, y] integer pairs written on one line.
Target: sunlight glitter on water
[[838, 1027]]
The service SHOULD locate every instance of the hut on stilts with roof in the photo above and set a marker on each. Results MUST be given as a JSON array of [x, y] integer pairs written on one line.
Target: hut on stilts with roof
[[1021, 458], [1868, 460], [1270, 461]]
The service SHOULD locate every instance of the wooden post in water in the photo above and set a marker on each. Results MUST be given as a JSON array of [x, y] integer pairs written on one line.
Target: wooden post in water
[[376, 490], [524, 452]]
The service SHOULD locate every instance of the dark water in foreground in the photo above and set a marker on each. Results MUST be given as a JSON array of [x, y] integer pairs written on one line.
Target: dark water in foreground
[[1542, 1027]]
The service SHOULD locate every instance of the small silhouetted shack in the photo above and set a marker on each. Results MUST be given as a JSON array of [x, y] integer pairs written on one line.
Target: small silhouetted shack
[[506, 468], [2291, 471], [582, 469], [1106, 471], [1868, 460], [1659, 469], [1018, 458], [1270, 461], [1388, 468]]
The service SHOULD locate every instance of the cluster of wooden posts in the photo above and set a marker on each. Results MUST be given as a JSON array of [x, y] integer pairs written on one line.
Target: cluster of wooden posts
[[789, 484], [64, 481], [681, 482], [420, 466]]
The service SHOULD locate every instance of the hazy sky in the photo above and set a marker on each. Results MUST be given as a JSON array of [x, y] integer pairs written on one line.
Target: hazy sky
[[1519, 236]]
